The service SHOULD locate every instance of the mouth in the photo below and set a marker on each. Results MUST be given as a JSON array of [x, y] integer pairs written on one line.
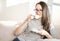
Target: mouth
[[37, 14]]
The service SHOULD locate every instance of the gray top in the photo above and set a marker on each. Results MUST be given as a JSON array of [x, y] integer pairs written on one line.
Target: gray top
[[28, 34]]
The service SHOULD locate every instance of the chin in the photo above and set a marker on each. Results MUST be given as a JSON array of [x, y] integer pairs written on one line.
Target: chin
[[37, 16]]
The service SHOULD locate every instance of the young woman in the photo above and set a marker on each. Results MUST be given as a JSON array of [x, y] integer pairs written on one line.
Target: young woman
[[33, 29]]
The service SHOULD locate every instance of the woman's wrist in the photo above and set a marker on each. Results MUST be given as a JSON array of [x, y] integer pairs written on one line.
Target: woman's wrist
[[48, 36], [26, 21], [45, 33]]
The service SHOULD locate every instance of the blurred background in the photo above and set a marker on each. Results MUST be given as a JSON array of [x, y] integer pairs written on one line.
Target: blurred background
[[14, 12]]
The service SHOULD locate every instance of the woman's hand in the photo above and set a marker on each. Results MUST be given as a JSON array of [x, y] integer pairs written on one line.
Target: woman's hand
[[45, 33], [29, 18]]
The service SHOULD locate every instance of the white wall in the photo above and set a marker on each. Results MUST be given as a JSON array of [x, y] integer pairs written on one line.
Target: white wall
[[17, 12]]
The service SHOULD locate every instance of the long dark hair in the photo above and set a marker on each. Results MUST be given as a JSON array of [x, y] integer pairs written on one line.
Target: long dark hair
[[45, 20]]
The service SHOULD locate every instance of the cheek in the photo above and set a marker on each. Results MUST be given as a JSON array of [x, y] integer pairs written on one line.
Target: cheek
[[40, 14]]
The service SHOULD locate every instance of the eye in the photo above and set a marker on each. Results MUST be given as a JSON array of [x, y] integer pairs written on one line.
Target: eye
[[41, 10], [38, 10]]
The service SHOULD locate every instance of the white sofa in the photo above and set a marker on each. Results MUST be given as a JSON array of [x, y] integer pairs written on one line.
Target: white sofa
[[7, 29]]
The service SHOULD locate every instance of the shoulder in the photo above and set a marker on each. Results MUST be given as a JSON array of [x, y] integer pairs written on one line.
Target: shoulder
[[52, 29], [52, 26]]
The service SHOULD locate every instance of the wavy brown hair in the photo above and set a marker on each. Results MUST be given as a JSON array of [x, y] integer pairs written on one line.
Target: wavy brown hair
[[45, 20]]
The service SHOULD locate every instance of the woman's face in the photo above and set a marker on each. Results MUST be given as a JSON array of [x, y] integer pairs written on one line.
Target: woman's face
[[38, 10]]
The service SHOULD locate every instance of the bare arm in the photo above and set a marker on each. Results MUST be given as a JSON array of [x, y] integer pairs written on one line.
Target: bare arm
[[48, 36], [45, 33], [21, 27]]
